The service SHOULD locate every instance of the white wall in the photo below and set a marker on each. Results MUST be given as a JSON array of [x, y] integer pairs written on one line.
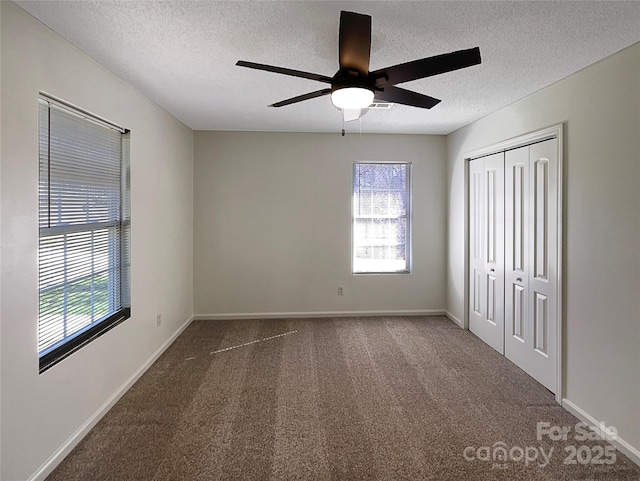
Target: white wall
[[600, 107], [41, 412], [273, 224]]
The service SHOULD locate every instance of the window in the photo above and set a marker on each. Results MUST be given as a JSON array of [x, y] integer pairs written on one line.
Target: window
[[83, 253], [381, 217]]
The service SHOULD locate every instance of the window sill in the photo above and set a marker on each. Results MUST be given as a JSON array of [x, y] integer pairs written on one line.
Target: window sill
[[83, 338]]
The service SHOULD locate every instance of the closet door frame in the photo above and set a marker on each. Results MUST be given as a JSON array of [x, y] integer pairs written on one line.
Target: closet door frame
[[555, 131]]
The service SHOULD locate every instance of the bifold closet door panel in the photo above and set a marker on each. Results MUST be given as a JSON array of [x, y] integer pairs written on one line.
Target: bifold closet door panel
[[543, 258], [477, 307], [486, 274], [517, 232]]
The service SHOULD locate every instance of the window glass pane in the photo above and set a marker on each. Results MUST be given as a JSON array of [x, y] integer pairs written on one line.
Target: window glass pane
[[84, 171], [381, 216], [380, 203]]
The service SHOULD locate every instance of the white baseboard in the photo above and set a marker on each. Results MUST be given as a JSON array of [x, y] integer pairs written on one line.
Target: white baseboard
[[76, 437], [459, 322], [621, 445], [315, 314]]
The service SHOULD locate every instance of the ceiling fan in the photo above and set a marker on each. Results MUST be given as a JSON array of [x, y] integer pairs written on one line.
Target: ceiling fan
[[354, 87]]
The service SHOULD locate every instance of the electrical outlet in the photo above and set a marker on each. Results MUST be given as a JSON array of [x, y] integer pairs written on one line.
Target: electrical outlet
[[341, 290], [158, 320]]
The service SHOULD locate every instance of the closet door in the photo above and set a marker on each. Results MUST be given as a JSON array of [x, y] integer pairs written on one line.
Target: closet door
[[486, 246], [531, 260]]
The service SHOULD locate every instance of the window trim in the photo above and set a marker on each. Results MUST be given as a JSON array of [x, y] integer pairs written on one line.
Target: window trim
[[409, 243], [55, 353]]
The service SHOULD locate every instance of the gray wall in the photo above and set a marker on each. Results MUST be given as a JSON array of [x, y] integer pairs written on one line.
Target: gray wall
[[41, 412], [600, 107], [273, 224]]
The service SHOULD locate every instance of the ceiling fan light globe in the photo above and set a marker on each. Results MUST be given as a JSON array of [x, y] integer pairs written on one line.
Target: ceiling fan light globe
[[352, 98]]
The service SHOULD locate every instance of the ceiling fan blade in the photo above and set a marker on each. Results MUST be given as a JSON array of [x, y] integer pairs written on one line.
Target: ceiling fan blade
[[406, 97], [285, 71], [300, 98], [427, 67], [354, 41]]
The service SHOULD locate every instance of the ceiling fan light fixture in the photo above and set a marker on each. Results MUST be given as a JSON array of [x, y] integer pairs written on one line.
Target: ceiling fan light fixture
[[352, 98]]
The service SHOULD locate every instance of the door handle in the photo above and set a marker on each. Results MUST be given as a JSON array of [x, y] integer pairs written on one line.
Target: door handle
[[519, 279], [492, 270]]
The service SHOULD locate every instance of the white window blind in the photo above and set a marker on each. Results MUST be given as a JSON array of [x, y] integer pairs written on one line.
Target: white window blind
[[381, 217], [84, 230]]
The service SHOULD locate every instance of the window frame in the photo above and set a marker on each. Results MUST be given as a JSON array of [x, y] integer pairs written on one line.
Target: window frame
[[61, 349], [409, 219]]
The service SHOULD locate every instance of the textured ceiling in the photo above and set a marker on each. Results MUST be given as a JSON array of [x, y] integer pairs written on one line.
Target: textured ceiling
[[181, 54]]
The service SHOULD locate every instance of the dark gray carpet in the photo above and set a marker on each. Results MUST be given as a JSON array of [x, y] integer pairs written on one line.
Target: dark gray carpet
[[340, 399]]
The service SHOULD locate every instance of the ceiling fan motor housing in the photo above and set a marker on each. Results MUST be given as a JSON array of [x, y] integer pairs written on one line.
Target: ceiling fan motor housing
[[351, 78]]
